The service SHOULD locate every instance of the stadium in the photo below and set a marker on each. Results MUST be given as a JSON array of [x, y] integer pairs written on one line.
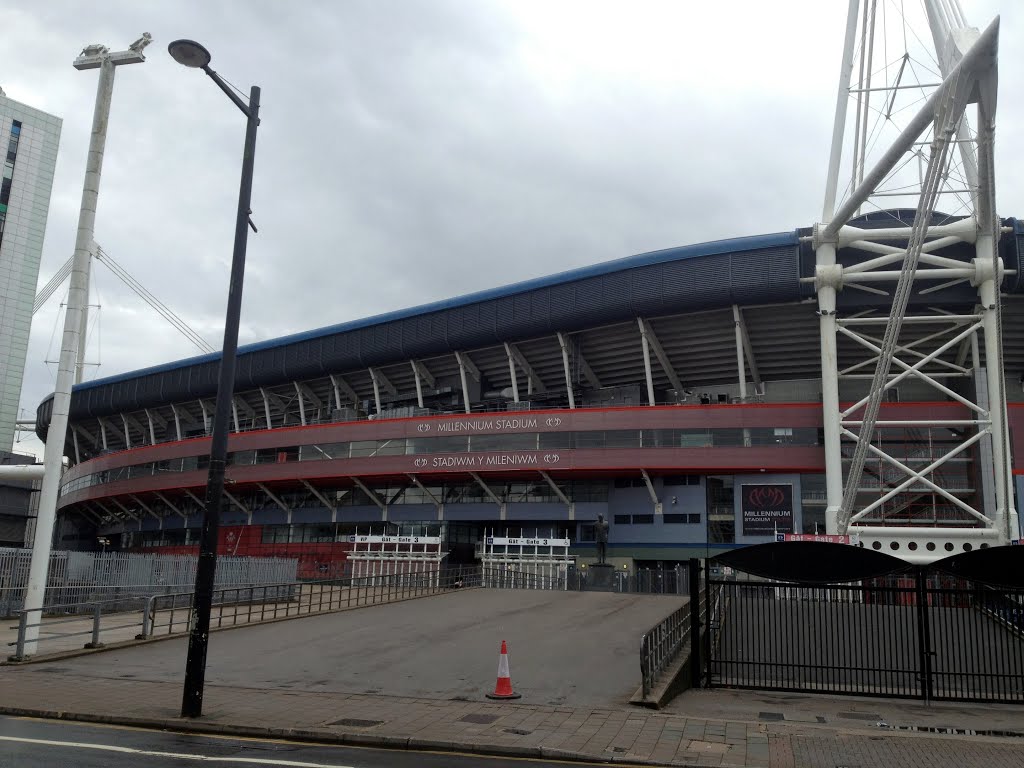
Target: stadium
[[677, 393]]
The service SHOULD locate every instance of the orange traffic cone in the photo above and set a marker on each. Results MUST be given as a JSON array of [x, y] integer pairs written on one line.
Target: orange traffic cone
[[503, 688]]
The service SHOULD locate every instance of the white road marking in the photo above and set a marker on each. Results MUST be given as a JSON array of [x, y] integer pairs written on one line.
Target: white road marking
[[174, 755]]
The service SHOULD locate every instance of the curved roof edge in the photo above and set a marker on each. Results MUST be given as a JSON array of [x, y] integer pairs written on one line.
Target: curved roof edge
[[680, 253]]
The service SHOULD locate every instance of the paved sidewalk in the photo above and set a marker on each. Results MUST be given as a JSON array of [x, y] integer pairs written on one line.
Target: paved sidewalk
[[704, 727]]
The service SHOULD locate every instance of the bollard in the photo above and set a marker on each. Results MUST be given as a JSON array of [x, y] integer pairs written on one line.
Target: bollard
[[146, 623], [95, 628], [19, 648]]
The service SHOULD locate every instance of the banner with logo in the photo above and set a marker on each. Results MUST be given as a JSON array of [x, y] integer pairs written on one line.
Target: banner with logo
[[766, 509]]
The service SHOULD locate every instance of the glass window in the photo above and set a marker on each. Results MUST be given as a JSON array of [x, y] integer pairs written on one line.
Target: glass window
[[643, 519], [693, 438], [243, 458], [590, 439], [622, 438], [554, 440]]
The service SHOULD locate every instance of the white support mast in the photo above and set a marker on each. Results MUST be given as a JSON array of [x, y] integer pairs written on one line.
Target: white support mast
[[903, 483], [92, 57]]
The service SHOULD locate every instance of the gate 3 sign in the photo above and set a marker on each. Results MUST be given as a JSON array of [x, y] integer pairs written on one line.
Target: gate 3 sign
[[766, 509]]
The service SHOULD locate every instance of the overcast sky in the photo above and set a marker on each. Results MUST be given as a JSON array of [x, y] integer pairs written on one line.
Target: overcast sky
[[413, 150]]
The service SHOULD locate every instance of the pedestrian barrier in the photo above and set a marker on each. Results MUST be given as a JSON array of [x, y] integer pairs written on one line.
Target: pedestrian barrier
[[77, 580], [170, 614]]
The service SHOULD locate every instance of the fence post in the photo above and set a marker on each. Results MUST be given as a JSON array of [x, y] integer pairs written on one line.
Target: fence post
[[695, 627], [923, 635], [95, 628], [19, 648], [146, 622], [706, 640]]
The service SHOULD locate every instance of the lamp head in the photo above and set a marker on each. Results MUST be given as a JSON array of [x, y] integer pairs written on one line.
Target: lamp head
[[189, 53]]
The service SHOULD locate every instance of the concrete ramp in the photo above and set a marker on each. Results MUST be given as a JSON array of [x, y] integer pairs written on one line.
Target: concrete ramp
[[573, 648]]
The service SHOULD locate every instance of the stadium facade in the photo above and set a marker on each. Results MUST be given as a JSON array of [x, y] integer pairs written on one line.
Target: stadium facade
[[677, 393]]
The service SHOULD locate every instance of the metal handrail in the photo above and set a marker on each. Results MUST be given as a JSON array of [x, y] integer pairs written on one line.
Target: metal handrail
[[292, 599], [261, 602], [661, 644], [505, 578]]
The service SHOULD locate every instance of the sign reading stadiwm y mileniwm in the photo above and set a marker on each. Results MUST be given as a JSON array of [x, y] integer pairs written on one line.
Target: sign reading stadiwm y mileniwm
[[766, 509]]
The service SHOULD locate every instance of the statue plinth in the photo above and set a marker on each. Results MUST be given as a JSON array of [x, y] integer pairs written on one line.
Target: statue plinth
[[601, 576]]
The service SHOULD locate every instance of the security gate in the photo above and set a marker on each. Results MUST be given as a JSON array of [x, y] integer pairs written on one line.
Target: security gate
[[382, 555], [832, 618], [529, 561]]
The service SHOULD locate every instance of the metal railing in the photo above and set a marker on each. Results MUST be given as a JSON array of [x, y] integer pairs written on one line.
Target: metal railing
[[504, 578], [661, 644], [170, 614], [98, 609], [77, 579]]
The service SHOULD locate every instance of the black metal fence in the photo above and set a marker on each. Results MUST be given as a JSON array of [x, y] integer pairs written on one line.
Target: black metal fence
[[929, 632], [170, 614]]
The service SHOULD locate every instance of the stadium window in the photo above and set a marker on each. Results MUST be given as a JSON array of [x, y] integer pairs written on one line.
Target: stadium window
[[643, 519], [587, 532], [689, 518], [621, 520], [677, 480]]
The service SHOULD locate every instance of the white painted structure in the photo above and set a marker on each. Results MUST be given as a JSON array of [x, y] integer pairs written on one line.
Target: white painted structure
[[536, 560], [92, 57], [377, 555], [925, 145]]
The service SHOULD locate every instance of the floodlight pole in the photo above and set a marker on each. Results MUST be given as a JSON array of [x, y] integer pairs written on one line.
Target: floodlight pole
[[198, 642], [101, 58]]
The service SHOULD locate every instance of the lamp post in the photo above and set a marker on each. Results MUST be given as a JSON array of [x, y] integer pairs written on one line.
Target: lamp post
[[106, 61], [192, 54]]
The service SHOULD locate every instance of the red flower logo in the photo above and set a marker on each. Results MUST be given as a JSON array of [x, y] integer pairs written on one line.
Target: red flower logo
[[766, 496]]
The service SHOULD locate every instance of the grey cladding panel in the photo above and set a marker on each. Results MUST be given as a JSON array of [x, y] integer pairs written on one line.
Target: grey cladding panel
[[589, 299], [304, 359], [505, 310], [464, 326], [783, 272], [646, 290], [749, 273], [562, 303]]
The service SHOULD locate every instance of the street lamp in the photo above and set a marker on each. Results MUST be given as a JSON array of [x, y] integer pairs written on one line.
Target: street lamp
[[191, 54]]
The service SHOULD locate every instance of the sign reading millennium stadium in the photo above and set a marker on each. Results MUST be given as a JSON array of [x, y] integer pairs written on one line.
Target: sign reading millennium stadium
[[514, 424]]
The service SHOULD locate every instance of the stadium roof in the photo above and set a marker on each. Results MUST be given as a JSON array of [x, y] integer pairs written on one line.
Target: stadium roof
[[746, 271]]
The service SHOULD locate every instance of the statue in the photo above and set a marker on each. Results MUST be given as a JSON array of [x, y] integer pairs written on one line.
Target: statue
[[601, 535]]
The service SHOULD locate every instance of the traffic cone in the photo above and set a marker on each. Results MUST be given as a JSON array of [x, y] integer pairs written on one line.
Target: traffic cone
[[503, 688]]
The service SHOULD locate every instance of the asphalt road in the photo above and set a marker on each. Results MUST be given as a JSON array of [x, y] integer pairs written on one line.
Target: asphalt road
[[29, 743], [572, 648]]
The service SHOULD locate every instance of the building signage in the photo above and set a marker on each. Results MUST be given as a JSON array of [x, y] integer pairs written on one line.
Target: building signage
[[395, 539], [493, 460], [823, 538], [483, 424], [766, 509], [498, 541]]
